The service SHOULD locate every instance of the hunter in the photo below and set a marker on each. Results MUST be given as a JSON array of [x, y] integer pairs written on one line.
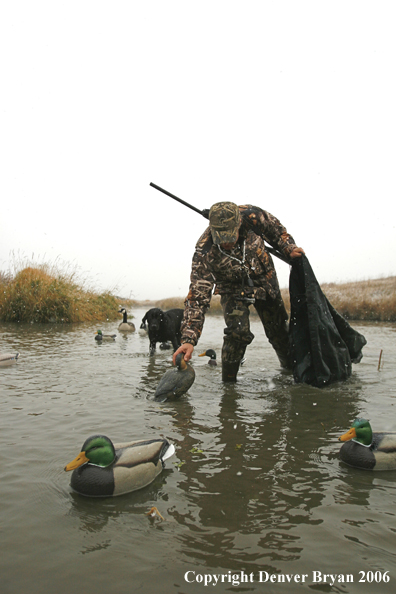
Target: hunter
[[232, 257]]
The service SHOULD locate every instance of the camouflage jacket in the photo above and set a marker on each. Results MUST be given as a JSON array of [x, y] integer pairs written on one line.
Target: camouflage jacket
[[228, 274]]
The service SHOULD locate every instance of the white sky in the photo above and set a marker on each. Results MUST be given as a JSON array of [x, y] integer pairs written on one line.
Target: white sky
[[287, 105]]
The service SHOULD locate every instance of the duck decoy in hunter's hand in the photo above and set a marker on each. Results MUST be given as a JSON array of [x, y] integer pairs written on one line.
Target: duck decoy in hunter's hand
[[175, 381], [8, 359], [104, 469], [100, 337], [212, 356], [367, 450], [125, 326]]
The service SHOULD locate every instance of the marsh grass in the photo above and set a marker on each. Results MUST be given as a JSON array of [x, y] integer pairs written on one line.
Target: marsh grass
[[40, 292], [370, 300]]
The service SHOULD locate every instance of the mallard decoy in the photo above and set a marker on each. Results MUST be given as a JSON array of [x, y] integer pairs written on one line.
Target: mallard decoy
[[104, 469], [8, 359], [100, 336], [175, 381], [368, 450], [212, 356], [125, 326]]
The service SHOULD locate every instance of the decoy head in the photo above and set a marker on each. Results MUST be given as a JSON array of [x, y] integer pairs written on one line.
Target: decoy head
[[180, 362], [97, 450], [360, 432], [212, 356], [209, 353]]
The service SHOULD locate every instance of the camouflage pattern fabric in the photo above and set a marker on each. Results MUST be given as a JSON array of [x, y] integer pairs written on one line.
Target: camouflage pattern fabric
[[213, 268], [273, 315], [237, 334]]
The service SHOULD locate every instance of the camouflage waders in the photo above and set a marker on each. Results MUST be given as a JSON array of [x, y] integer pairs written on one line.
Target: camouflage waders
[[237, 334]]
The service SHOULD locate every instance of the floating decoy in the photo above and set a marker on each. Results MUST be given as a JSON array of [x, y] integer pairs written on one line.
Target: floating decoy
[[8, 359], [125, 326], [100, 336], [175, 381], [165, 346], [212, 356], [143, 329], [104, 469], [367, 450]]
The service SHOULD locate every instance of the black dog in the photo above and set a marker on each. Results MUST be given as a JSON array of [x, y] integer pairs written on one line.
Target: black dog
[[163, 326]]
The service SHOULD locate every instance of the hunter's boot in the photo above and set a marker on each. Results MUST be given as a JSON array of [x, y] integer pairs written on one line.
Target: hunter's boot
[[230, 370]]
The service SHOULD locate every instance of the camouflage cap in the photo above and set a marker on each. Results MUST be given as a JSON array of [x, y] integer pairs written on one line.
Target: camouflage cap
[[225, 220]]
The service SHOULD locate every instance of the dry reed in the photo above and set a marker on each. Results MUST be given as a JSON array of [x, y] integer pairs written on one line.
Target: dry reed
[[371, 300], [46, 293]]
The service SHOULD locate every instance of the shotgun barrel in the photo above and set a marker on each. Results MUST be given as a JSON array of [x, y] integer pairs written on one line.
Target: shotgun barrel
[[204, 213]]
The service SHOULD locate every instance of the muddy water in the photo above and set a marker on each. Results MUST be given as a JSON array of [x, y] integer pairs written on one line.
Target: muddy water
[[255, 486]]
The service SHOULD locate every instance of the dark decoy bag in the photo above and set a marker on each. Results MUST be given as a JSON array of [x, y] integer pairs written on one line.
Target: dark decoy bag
[[323, 344]]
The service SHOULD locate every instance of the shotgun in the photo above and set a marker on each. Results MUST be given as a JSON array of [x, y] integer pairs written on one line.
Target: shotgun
[[205, 214]]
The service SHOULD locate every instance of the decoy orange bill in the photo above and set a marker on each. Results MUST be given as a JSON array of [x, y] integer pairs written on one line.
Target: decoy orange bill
[[79, 461], [351, 434]]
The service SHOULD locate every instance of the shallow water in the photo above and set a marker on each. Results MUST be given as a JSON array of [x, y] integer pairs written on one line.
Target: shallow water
[[255, 486]]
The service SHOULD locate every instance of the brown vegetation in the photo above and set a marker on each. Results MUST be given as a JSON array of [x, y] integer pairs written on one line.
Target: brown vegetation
[[372, 300], [43, 293]]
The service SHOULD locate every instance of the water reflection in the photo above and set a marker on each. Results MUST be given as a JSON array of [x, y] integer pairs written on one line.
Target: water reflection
[[259, 475], [96, 516]]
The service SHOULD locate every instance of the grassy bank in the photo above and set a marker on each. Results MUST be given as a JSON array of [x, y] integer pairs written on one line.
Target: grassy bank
[[48, 293], [371, 300]]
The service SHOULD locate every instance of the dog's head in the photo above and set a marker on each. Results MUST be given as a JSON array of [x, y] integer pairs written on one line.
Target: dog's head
[[154, 317]]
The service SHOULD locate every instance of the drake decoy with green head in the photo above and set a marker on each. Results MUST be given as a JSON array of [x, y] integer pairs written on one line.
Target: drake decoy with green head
[[104, 469], [125, 326], [367, 450], [175, 381], [8, 359], [100, 337], [212, 356]]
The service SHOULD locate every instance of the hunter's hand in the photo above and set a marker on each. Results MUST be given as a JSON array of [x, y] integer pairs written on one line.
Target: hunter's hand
[[297, 253], [185, 348]]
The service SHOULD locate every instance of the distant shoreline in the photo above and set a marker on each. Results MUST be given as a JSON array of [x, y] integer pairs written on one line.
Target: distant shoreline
[[370, 300]]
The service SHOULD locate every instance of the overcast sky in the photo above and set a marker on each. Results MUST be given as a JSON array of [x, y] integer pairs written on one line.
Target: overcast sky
[[286, 105]]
